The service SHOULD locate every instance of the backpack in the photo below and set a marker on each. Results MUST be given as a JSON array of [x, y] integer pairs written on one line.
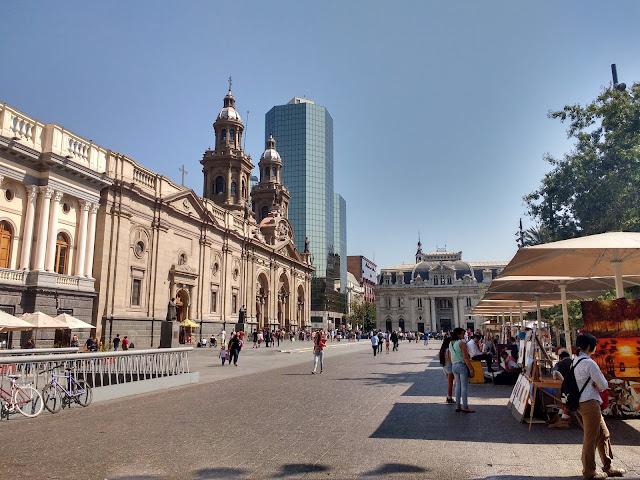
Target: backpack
[[570, 392]]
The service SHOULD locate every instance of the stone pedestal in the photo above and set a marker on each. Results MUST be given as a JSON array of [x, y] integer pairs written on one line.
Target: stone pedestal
[[169, 334]]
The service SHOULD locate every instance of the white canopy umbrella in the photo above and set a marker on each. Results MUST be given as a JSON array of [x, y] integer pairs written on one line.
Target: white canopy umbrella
[[9, 322], [611, 254], [554, 290], [73, 322], [39, 320]]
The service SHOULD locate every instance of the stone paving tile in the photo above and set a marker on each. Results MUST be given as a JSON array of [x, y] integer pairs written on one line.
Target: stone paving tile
[[364, 418]]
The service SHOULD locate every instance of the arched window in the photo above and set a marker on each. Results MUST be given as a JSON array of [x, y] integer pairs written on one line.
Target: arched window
[[274, 173], [219, 186], [266, 172], [233, 188], [244, 191], [5, 244], [435, 280], [449, 280], [62, 254], [232, 135], [264, 212], [224, 134], [441, 279]]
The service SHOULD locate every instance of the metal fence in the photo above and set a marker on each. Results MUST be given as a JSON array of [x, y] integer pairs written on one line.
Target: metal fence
[[99, 369]]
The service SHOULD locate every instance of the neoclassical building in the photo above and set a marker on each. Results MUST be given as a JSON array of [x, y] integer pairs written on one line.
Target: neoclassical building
[[89, 231], [435, 293]]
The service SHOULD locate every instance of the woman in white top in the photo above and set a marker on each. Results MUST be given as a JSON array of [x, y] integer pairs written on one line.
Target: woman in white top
[[596, 433]]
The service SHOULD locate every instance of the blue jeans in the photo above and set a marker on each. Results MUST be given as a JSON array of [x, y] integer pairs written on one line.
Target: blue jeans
[[319, 355], [234, 355], [461, 374]]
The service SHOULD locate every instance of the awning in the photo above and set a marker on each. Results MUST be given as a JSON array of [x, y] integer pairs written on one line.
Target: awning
[[188, 323]]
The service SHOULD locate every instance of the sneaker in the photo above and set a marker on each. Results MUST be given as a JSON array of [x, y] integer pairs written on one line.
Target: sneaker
[[596, 476], [615, 472], [450, 400], [313, 372]]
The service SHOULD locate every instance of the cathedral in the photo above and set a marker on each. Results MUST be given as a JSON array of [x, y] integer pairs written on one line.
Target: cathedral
[[88, 231], [435, 293]]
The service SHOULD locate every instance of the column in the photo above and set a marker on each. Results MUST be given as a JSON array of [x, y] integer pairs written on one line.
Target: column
[[27, 237], [43, 226], [238, 186], [456, 318], [229, 186], [53, 231], [82, 238], [433, 314], [91, 237]]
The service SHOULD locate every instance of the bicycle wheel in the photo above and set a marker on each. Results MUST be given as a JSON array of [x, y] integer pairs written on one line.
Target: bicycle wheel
[[83, 393], [28, 400], [52, 396]]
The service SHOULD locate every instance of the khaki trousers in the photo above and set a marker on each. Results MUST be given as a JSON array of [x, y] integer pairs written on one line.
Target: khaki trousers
[[596, 435]]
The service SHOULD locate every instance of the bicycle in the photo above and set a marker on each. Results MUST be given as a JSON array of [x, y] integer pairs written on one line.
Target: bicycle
[[24, 398], [56, 396]]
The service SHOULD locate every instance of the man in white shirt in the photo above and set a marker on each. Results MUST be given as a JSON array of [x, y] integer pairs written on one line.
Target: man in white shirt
[[596, 433], [473, 347]]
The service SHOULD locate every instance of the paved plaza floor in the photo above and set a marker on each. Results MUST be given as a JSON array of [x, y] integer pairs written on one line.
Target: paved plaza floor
[[269, 418]]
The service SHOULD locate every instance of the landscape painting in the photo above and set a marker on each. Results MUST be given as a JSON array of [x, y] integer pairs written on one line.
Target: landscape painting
[[616, 324]]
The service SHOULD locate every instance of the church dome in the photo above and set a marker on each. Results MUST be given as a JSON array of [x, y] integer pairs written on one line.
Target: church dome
[[229, 111], [271, 154]]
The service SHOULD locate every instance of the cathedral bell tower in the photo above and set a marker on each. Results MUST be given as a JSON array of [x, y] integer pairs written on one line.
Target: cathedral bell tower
[[227, 169], [270, 197]]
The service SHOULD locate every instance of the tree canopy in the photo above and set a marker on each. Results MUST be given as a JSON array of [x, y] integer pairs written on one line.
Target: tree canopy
[[596, 187]]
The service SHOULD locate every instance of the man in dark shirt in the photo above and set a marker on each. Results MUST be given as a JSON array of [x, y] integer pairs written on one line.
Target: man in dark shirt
[[116, 343]]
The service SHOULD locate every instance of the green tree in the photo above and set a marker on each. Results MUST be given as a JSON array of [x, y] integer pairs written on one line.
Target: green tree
[[363, 315], [596, 187], [536, 236]]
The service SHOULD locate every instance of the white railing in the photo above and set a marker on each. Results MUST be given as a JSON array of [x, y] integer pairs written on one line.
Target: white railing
[[8, 275], [99, 369], [37, 351]]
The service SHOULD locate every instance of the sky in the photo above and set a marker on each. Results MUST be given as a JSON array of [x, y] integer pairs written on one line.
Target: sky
[[439, 108]]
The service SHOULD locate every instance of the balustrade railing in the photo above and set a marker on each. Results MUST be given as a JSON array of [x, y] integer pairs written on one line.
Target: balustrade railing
[[99, 369], [144, 178], [8, 275]]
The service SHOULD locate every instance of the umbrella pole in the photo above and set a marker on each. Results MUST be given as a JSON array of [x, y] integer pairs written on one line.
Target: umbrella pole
[[565, 317], [538, 314], [617, 272], [521, 321]]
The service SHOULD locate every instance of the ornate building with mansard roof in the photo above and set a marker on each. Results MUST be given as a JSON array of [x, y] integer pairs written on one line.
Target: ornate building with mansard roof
[[88, 231], [435, 293]]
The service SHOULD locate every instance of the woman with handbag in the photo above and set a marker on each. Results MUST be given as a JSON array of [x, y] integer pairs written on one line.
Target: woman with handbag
[[461, 369]]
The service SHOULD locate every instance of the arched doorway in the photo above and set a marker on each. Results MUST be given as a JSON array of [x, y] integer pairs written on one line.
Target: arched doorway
[[283, 303], [5, 244], [388, 325], [182, 301], [62, 254], [401, 325]]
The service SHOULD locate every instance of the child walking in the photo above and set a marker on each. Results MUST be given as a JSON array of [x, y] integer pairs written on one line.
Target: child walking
[[223, 354]]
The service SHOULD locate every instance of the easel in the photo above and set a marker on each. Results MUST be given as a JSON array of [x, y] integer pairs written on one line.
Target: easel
[[538, 382]]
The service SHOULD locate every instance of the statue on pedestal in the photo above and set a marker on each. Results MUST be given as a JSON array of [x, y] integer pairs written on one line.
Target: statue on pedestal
[[172, 310]]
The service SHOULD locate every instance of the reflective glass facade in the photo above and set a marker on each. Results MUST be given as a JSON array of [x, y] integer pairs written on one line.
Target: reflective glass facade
[[340, 240], [304, 138]]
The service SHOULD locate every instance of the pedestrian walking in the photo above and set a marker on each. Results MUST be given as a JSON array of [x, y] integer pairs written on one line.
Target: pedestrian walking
[[255, 339], [394, 340], [116, 343], [125, 343], [380, 341], [234, 349], [374, 344], [319, 342], [590, 380], [223, 354], [387, 341], [461, 362], [445, 361], [426, 339]]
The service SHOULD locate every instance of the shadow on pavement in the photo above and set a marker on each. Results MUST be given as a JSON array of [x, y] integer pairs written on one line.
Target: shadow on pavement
[[389, 468], [430, 421], [291, 469], [527, 477], [215, 473]]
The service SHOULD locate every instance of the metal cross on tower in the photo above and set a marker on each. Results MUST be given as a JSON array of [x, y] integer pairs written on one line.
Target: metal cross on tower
[[230, 82], [183, 172]]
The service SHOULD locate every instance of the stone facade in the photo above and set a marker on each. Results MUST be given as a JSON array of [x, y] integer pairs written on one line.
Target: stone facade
[[436, 293], [134, 239]]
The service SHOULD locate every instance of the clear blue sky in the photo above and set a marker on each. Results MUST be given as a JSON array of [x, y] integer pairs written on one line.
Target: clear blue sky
[[439, 108]]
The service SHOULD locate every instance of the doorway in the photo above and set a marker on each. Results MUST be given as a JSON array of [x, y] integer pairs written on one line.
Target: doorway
[[445, 324], [182, 302]]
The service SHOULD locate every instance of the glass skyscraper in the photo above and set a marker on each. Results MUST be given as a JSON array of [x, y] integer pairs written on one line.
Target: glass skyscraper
[[340, 240], [304, 135]]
